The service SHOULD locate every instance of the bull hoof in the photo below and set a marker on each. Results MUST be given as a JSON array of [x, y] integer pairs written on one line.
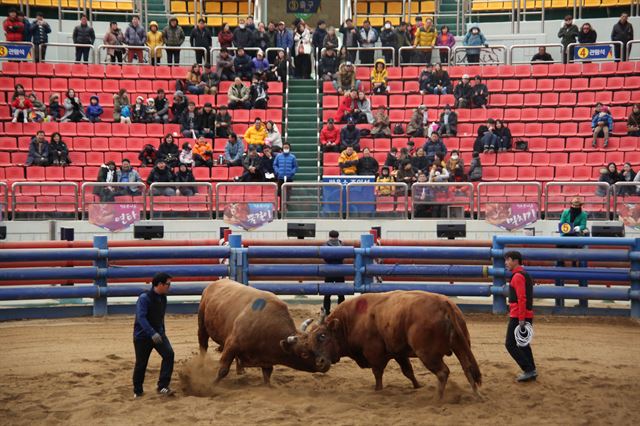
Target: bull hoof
[[378, 388], [417, 385]]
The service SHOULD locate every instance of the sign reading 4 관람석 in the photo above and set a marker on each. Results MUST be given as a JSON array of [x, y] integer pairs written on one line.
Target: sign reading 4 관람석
[[15, 52], [586, 53]]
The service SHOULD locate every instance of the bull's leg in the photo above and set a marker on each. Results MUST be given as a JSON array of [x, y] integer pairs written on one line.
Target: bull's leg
[[378, 371], [436, 365], [266, 375], [226, 359], [407, 370], [203, 339], [239, 367]]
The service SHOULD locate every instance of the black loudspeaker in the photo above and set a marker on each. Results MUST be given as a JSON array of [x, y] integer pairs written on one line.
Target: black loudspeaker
[[607, 230], [451, 230], [301, 230], [148, 232], [3, 232], [67, 234]]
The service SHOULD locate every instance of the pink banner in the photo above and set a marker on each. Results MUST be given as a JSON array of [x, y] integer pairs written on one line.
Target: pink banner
[[248, 216], [629, 214], [511, 216], [114, 217]]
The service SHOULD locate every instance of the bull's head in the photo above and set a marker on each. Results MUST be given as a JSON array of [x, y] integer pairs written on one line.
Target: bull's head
[[324, 335], [313, 351]]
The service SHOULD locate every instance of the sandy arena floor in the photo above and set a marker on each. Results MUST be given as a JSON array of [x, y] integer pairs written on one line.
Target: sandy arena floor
[[78, 372]]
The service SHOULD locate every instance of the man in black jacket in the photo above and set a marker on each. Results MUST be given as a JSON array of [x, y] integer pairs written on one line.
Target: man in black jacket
[[388, 38], [367, 165], [448, 122], [206, 121], [162, 173], [334, 241], [463, 93], [83, 34], [201, 37], [328, 65], [40, 30], [318, 36], [252, 167], [622, 31], [242, 36], [162, 108], [350, 38], [242, 64]]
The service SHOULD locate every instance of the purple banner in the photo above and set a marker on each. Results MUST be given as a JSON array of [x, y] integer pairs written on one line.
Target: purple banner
[[511, 216], [248, 216], [114, 217], [629, 214]]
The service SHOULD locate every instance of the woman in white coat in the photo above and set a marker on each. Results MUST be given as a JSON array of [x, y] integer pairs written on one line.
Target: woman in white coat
[[302, 49]]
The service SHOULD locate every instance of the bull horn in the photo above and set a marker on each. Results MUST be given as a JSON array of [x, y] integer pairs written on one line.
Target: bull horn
[[305, 324], [323, 315], [292, 339]]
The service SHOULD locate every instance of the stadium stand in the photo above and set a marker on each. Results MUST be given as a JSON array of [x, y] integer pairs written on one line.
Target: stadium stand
[[110, 6]]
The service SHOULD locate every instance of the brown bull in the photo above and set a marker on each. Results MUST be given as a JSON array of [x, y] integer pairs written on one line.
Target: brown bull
[[255, 328], [373, 329]]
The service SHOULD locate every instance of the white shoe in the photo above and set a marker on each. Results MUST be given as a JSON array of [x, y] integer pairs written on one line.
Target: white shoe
[[165, 391], [15, 120]]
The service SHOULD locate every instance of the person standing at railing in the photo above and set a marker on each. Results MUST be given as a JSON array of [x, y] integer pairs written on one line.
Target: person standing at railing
[[284, 38], [474, 38], [350, 38], [334, 241], [303, 50], [271, 35], [114, 37], [135, 36], [154, 39], [541, 56], [318, 37], [225, 36], [285, 166], [388, 38], [173, 36], [40, 30], [201, 37], [568, 34], [368, 38], [260, 39], [425, 37], [622, 31], [445, 38], [83, 34], [13, 26], [242, 36]]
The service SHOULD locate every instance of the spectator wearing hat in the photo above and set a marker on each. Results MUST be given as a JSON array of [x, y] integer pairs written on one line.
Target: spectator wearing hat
[[284, 38], [602, 125], [154, 40], [345, 80], [207, 121], [162, 173], [417, 122], [150, 111], [448, 122], [480, 93], [575, 217], [474, 38], [173, 36], [463, 93], [350, 136], [330, 137], [210, 80]]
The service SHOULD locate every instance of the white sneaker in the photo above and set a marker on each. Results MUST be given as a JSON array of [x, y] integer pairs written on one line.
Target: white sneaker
[[165, 391], [26, 121], [15, 120]]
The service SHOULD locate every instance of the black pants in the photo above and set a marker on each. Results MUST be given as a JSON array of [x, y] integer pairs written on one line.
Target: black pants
[[37, 56], [200, 162], [82, 54], [444, 56], [200, 56], [173, 56], [473, 58], [303, 66], [143, 348], [366, 57], [116, 57], [522, 355]]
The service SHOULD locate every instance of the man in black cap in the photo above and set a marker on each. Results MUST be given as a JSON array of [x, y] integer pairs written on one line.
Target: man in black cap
[[149, 334]]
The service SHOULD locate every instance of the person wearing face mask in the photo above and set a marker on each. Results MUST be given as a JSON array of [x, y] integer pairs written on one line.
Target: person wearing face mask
[[568, 34], [242, 36], [285, 166], [474, 38], [575, 218], [388, 38], [455, 166]]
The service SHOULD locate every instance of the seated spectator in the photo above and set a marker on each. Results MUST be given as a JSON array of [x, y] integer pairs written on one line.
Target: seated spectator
[[119, 100], [420, 161], [38, 151], [392, 158], [258, 93], [475, 167], [381, 123], [463, 93], [348, 161], [609, 175], [58, 151], [363, 109], [417, 122], [180, 104], [633, 123], [148, 156], [18, 90], [107, 174], [448, 122], [330, 137], [255, 135], [425, 80], [602, 125], [185, 175], [406, 174], [440, 81], [223, 122], [384, 177], [576, 218], [210, 80], [627, 175], [541, 56], [224, 66], [38, 109], [125, 114], [596, 109], [437, 173], [139, 111], [55, 109], [480, 93], [203, 153], [168, 151], [347, 107], [411, 148], [73, 110], [274, 138], [269, 174], [367, 165], [206, 121], [455, 167], [434, 146], [239, 95], [504, 136], [162, 173], [150, 111], [259, 64], [242, 64], [233, 151], [379, 77], [251, 164], [489, 139], [350, 136], [345, 78], [328, 65], [189, 122], [186, 155], [94, 110], [128, 174], [194, 80], [21, 109]]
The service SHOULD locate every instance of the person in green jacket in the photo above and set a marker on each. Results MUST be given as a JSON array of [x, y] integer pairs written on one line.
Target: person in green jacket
[[575, 218]]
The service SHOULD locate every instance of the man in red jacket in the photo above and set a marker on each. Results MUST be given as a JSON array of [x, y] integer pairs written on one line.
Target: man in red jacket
[[520, 312], [330, 137], [13, 27]]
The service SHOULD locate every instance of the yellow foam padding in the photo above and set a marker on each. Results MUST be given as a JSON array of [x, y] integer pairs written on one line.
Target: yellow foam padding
[[124, 5], [394, 8], [212, 7], [376, 21], [178, 7], [214, 21], [10, 2], [376, 8], [229, 7], [243, 8], [592, 3], [478, 6]]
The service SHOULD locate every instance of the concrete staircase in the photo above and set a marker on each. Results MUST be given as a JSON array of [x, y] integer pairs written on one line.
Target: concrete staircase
[[448, 7], [157, 12]]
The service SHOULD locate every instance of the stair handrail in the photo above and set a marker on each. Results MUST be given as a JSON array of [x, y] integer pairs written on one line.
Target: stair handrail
[[318, 150], [286, 101]]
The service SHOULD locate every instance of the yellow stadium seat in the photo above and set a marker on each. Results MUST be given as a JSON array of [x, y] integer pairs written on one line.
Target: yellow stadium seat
[[478, 6], [430, 7], [111, 5], [229, 8], [624, 2], [243, 8], [214, 21], [231, 20], [494, 5], [362, 8], [212, 7], [178, 7], [377, 21], [376, 8], [190, 7], [44, 3], [360, 20], [592, 3], [72, 4], [610, 3], [10, 2], [124, 6], [184, 20], [394, 8], [394, 20], [558, 4]]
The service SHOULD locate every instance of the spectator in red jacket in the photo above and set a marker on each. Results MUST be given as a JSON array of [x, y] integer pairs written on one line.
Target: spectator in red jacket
[[13, 26], [21, 107], [330, 137]]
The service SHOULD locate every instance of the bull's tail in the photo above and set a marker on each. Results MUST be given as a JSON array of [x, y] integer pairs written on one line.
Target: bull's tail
[[461, 346], [203, 336]]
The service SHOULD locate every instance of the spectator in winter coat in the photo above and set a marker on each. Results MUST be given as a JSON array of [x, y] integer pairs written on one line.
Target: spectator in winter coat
[[114, 37], [587, 34], [417, 122], [148, 156], [94, 110], [627, 175], [448, 122], [328, 65], [381, 123], [392, 158], [120, 99], [503, 134], [425, 37], [242, 64], [455, 167], [154, 39], [319, 34], [189, 122], [259, 64], [194, 80], [425, 80], [330, 40], [139, 111], [242, 35], [480, 93], [162, 173], [379, 77], [107, 174], [274, 138], [38, 109], [186, 155], [284, 38], [135, 35], [13, 26], [602, 125], [203, 153], [260, 38], [474, 38], [330, 137], [128, 174], [303, 49], [206, 121], [350, 136], [405, 173], [225, 36], [350, 38], [622, 31], [346, 78], [285, 165], [440, 81], [348, 161], [239, 95], [258, 93], [73, 108], [233, 151], [368, 38], [347, 107], [252, 167], [363, 109], [255, 135], [475, 168], [388, 38], [489, 139], [223, 122], [179, 106], [40, 30], [162, 108], [633, 122], [54, 108], [184, 175], [169, 151], [384, 177], [420, 162], [269, 174], [463, 93], [173, 36], [568, 34], [224, 66], [83, 34], [38, 151], [445, 38], [610, 175], [367, 165], [21, 107], [26, 35], [210, 80], [541, 56], [434, 146], [403, 37], [201, 37]]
